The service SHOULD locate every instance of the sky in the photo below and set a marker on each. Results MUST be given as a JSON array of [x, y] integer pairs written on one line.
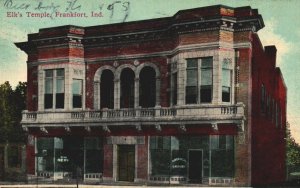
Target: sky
[[281, 18]]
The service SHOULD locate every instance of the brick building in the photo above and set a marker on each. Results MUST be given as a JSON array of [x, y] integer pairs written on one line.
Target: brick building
[[192, 98]]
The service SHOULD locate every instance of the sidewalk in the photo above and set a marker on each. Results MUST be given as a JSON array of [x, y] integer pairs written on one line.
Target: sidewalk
[[20, 185], [87, 186]]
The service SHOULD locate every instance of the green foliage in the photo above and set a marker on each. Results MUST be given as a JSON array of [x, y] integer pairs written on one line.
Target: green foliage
[[12, 102], [293, 152]]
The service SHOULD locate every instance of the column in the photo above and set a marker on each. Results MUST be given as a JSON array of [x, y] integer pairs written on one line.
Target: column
[[181, 77], [136, 92], [217, 79], [97, 97], [157, 99], [116, 94]]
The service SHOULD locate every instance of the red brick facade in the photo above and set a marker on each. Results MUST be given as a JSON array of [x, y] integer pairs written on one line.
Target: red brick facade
[[165, 44]]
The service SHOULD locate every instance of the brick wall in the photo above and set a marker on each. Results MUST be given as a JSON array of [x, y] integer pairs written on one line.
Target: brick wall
[[32, 88], [108, 162], [30, 159], [243, 94], [268, 144], [142, 160]]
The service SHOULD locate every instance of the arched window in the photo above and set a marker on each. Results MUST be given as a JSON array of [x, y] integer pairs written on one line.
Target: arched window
[[147, 87], [107, 89], [127, 88]]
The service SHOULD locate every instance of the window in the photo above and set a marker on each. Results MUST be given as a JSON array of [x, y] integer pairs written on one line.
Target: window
[[192, 82], [147, 88], [60, 88], [160, 151], [170, 155], [65, 154], [54, 93], [222, 152], [77, 93], [206, 80], [127, 88], [45, 154], [93, 155], [48, 89], [107, 89], [226, 80]]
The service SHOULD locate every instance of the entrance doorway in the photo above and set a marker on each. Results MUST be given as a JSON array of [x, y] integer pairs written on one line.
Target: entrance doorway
[[126, 162], [195, 166]]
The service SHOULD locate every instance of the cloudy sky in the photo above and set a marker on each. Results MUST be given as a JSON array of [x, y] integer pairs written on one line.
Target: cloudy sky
[[281, 17]]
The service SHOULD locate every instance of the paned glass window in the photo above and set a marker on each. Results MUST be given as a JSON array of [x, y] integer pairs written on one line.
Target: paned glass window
[[196, 66], [77, 93]]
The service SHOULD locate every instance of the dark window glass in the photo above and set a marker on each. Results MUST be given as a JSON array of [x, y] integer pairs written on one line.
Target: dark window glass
[[222, 152], [127, 88], [160, 155], [107, 89], [94, 155], [60, 99], [45, 154], [48, 73], [60, 88], [60, 73], [77, 93], [206, 80], [226, 94], [226, 83], [147, 87], [206, 94], [191, 93], [48, 101], [48, 98]]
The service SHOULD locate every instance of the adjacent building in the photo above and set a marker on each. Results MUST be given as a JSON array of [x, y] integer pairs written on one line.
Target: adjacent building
[[192, 98]]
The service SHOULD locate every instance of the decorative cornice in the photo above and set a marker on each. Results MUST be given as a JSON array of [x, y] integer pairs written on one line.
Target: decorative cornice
[[183, 48], [201, 19]]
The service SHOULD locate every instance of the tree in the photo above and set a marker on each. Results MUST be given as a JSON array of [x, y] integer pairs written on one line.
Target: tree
[[293, 152], [12, 102]]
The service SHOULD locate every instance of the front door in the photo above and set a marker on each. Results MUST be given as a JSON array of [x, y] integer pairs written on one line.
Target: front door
[[195, 166], [126, 162]]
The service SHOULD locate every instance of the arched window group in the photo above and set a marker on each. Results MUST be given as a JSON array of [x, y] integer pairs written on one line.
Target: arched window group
[[126, 87]]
